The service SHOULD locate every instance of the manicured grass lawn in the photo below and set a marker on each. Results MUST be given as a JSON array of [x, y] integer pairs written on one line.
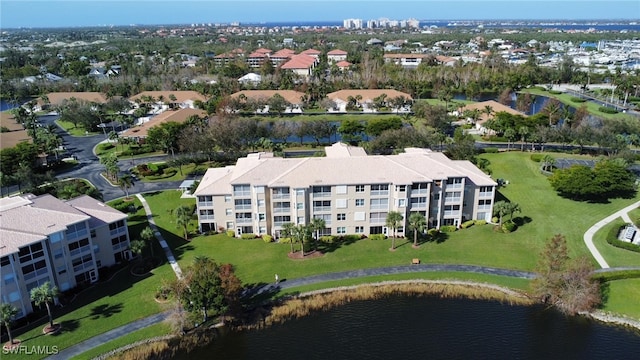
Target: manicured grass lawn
[[72, 130], [592, 107], [623, 297], [635, 215], [107, 149], [152, 331], [615, 256]]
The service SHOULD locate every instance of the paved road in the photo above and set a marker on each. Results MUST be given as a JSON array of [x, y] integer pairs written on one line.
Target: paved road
[[588, 236]]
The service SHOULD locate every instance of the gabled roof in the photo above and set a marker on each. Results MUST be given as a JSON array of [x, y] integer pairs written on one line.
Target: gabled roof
[[181, 96], [301, 61], [292, 96], [495, 106], [258, 55], [343, 64], [57, 98], [100, 213], [283, 53], [311, 52], [367, 94], [263, 51], [406, 56], [337, 52], [178, 116]]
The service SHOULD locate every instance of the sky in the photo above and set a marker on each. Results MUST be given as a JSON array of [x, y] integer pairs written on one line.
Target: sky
[[72, 13]]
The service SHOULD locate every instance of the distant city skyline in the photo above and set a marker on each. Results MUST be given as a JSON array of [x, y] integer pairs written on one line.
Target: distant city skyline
[[76, 13]]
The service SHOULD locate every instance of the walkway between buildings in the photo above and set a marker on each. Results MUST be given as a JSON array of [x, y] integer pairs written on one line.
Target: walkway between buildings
[[588, 236], [161, 240]]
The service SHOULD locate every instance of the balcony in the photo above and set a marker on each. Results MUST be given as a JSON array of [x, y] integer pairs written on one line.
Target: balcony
[[243, 220], [321, 209], [207, 217], [205, 203], [284, 210], [243, 207], [321, 194], [379, 192], [80, 250], [281, 196], [486, 195], [452, 200], [418, 192], [484, 207], [452, 213]]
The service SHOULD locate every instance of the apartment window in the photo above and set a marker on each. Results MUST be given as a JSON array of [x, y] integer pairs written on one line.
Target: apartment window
[[227, 198], [300, 192], [281, 207], [436, 197], [486, 189], [229, 224], [380, 189], [281, 219], [241, 190], [299, 206], [262, 229], [4, 261], [30, 252], [484, 202], [325, 217], [378, 217], [359, 188], [206, 200], [401, 188], [419, 186], [36, 269], [243, 204], [341, 189], [62, 269], [259, 189], [452, 181], [300, 220], [419, 201], [359, 202], [322, 205], [9, 278], [341, 230], [359, 229], [341, 217], [262, 217], [119, 242], [82, 263], [379, 204], [260, 202], [359, 216], [78, 247], [56, 237], [280, 193], [322, 191], [341, 203], [228, 212], [93, 234], [58, 254], [243, 217], [402, 202]]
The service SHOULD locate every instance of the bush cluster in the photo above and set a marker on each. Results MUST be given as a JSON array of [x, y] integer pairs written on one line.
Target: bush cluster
[[509, 226], [124, 206], [267, 238], [231, 233], [607, 110], [377, 237], [467, 224], [491, 150], [481, 222], [145, 149], [537, 157], [248, 236], [433, 232], [578, 100], [448, 228], [555, 92]]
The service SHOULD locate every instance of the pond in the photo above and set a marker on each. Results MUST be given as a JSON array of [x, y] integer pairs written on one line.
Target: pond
[[402, 327]]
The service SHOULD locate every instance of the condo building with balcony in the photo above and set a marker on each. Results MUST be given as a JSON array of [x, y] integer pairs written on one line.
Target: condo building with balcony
[[352, 191], [62, 242]]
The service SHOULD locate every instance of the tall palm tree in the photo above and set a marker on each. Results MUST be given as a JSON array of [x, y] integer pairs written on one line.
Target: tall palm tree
[[547, 162], [147, 235], [513, 208], [136, 247], [125, 183], [45, 294], [500, 209], [317, 224], [287, 232], [417, 223], [393, 221], [7, 314], [184, 215], [523, 131], [302, 233]]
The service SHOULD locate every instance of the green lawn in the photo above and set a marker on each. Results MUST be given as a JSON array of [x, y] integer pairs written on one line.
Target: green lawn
[[566, 99], [623, 297], [73, 130], [116, 148], [142, 334]]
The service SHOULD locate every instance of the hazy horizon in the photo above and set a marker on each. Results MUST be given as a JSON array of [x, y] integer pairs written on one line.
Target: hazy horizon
[[87, 13]]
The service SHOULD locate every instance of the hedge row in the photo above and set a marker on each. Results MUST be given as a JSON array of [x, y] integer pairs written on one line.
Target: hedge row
[[612, 239], [607, 110], [578, 100]]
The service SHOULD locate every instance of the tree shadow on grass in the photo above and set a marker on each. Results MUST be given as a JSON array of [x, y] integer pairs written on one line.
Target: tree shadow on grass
[[327, 247], [400, 242], [437, 238], [522, 220], [605, 291], [68, 326], [105, 310]]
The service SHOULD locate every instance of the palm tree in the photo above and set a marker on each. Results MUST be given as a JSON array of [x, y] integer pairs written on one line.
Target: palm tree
[[125, 183], [184, 214], [147, 235], [417, 223], [394, 220], [513, 208], [488, 109], [45, 294], [510, 134], [500, 209], [7, 313], [547, 162], [523, 131], [287, 232], [317, 224], [136, 247], [302, 233]]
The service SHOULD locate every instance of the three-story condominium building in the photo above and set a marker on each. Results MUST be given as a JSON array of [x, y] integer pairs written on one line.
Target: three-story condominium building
[[63, 242], [352, 191]]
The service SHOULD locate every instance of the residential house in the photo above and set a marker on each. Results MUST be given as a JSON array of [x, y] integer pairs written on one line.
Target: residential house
[[343, 65], [164, 100], [281, 56], [250, 79], [484, 116], [301, 64], [58, 98], [62, 242], [261, 192], [408, 61], [294, 98], [139, 133], [15, 133], [257, 58], [312, 52], [365, 99], [336, 55]]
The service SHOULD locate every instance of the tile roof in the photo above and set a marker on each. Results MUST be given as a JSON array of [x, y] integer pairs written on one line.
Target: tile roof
[[7, 120], [343, 64], [301, 61], [178, 116], [367, 94], [496, 106], [337, 52], [57, 98], [311, 52], [292, 96], [283, 53], [406, 56], [263, 51]]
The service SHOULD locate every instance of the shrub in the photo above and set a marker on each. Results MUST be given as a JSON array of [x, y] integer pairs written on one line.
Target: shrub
[[351, 237], [328, 239], [248, 236], [231, 233], [491, 150], [494, 219], [607, 110], [267, 238], [481, 222], [537, 157], [467, 224], [284, 240], [448, 228], [377, 236], [509, 226], [612, 239], [555, 92], [433, 232], [578, 100]]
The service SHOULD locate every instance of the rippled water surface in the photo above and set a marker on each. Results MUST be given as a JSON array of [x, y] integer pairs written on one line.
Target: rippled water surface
[[400, 327]]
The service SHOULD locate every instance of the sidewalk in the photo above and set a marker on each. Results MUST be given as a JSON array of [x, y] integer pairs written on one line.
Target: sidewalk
[[588, 236]]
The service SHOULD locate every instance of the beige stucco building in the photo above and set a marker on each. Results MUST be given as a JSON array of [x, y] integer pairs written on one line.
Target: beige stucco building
[[63, 242], [352, 191]]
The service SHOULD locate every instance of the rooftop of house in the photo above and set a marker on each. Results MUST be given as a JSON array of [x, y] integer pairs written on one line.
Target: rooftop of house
[[57, 98], [181, 96], [337, 52], [301, 61], [495, 107], [367, 94], [292, 96], [178, 116]]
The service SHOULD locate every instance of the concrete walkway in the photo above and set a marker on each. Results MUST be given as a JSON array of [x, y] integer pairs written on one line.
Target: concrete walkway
[[158, 234], [588, 236]]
